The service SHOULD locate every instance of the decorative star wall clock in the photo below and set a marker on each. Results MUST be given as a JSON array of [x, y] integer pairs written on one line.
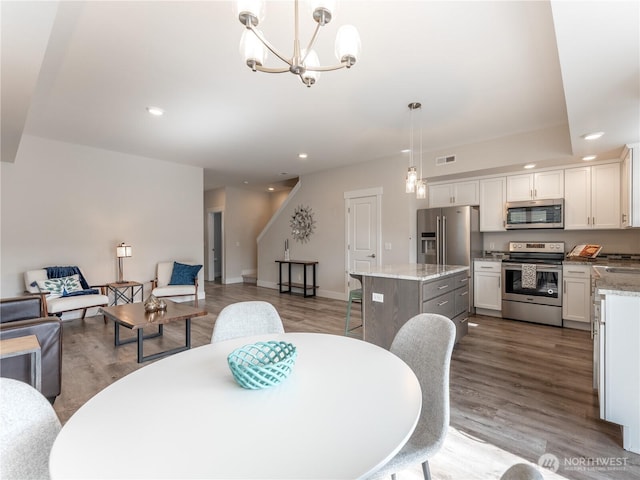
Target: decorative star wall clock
[[302, 224]]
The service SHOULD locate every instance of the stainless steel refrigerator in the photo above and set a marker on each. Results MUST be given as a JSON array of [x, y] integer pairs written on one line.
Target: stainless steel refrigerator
[[450, 236]]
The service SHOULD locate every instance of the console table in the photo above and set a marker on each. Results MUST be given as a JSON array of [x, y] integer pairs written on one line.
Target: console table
[[286, 286]]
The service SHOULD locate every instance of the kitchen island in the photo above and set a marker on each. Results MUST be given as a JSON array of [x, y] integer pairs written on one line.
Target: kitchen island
[[617, 348], [392, 294]]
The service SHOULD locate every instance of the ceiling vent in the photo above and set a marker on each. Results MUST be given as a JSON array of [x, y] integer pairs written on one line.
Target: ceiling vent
[[445, 160]]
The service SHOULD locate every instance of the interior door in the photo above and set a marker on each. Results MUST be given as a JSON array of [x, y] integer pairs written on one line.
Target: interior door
[[363, 240]]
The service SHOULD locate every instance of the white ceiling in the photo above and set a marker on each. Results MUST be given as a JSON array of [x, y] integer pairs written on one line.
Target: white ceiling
[[83, 72]]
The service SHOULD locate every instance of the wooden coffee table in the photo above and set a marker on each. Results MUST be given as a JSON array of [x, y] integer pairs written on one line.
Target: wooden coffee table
[[134, 317]]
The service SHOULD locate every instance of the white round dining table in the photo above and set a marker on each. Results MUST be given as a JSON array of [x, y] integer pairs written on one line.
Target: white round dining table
[[346, 409]]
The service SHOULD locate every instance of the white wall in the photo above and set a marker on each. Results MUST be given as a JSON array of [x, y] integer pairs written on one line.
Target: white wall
[[245, 213], [65, 204], [324, 193]]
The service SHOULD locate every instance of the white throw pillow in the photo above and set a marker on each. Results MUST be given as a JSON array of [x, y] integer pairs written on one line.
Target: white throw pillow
[[58, 287]]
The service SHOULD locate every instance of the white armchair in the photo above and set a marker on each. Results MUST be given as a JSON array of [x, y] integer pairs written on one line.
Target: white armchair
[[176, 279], [65, 293]]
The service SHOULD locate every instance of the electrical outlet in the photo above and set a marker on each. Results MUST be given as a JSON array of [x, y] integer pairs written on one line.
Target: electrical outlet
[[492, 246], [387, 246], [378, 297]]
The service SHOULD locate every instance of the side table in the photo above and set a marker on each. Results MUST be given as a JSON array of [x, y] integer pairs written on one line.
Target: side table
[[27, 345], [125, 291]]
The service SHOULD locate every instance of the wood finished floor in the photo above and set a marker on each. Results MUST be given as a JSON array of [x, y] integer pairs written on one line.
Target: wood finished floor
[[518, 390]]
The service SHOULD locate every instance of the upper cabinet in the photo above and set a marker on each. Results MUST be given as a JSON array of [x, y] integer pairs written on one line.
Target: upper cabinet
[[493, 194], [535, 186], [592, 197], [630, 188], [453, 194]]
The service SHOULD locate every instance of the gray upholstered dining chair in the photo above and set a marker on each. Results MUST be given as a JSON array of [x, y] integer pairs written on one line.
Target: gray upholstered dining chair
[[425, 343], [246, 318], [28, 427], [522, 471]]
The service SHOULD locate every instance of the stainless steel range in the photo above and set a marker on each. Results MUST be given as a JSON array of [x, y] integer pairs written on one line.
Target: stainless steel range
[[531, 278]]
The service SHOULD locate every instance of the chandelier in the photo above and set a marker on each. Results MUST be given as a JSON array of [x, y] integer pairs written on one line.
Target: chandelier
[[413, 183], [303, 62]]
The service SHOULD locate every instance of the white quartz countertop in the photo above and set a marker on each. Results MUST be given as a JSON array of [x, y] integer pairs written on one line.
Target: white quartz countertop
[[617, 280], [411, 271]]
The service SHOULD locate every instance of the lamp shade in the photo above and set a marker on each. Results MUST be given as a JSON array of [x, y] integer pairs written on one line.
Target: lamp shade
[[253, 50], [348, 44], [254, 8], [311, 60], [123, 250]]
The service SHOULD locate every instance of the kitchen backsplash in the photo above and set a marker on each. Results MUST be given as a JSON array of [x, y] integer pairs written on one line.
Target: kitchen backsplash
[[612, 241]]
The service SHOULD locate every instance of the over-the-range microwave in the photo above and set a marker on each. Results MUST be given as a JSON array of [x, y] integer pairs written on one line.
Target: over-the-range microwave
[[534, 214]]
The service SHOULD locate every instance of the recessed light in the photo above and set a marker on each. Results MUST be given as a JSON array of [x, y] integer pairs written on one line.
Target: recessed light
[[302, 155], [530, 165], [157, 111], [406, 150], [271, 189], [284, 173], [246, 182], [592, 135], [586, 158]]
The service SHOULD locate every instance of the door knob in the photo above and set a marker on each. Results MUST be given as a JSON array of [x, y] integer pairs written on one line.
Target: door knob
[[373, 255]]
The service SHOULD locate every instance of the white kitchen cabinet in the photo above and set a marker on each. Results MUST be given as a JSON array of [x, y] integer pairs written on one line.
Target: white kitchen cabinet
[[453, 194], [487, 287], [619, 378], [493, 195], [576, 294], [630, 189], [592, 197], [535, 186]]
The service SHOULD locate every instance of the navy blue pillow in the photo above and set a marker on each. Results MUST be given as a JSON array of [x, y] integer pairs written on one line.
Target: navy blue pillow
[[184, 274]]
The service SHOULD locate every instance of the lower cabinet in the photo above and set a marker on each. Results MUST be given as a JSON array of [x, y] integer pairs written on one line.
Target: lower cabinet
[[487, 284], [576, 295], [449, 297], [399, 299]]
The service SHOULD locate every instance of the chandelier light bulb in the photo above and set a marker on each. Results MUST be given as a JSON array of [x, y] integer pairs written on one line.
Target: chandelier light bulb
[[421, 189]]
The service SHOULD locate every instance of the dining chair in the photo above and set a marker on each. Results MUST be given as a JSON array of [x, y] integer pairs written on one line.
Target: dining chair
[[425, 343], [28, 427], [522, 471], [243, 319]]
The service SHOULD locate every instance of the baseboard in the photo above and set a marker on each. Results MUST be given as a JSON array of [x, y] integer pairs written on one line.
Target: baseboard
[[320, 293], [228, 281]]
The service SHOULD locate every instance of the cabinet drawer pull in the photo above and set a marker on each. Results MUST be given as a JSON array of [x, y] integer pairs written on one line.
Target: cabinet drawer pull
[[443, 286], [465, 293], [464, 319], [574, 271], [486, 267], [443, 303]]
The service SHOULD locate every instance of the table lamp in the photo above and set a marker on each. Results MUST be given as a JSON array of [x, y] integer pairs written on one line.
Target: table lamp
[[123, 250]]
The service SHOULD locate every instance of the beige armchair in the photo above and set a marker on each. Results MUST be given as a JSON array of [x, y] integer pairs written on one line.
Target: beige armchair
[[176, 279], [64, 289]]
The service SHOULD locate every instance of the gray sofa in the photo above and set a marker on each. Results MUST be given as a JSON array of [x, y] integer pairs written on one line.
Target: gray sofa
[[20, 316]]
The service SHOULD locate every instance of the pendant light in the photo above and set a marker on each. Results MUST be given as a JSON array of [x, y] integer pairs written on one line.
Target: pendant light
[[412, 173]]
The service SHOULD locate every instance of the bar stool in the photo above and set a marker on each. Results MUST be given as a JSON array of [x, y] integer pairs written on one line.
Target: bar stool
[[355, 295]]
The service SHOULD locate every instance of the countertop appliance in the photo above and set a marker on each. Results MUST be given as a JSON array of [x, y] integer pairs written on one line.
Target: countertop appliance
[[531, 278], [450, 236], [534, 214]]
